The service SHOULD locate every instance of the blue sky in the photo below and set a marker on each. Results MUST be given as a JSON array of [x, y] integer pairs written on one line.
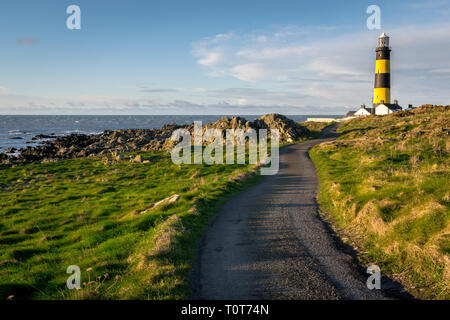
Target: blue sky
[[216, 57]]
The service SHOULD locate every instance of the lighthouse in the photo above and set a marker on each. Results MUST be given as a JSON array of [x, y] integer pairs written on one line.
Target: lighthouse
[[382, 88]]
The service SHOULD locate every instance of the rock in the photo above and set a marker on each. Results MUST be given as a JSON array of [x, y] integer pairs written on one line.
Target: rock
[[289, 129], [48, 160], [10, 150], [61, 151], [82, 154], [43, 136], [167, 200], [173, 198], [137, 159], [116, 156], [7, 162]]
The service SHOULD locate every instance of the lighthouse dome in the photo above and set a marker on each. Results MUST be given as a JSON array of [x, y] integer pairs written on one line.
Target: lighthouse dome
[[383, 40]]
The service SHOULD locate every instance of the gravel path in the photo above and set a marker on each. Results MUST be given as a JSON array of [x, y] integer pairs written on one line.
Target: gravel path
[[269, 242]]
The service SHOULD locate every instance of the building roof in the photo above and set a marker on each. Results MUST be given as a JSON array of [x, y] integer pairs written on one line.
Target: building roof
[[391, 106], [349, 114], [368, 110]]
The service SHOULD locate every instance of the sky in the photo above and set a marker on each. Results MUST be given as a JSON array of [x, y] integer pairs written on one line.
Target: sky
[[217, 57]]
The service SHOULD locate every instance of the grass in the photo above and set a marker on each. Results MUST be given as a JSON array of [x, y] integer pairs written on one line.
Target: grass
[[316, 128], [89, 213], [385, 185]]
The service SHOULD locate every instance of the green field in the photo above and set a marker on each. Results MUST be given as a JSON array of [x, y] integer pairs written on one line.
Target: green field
[[385, 186], [89, 213]]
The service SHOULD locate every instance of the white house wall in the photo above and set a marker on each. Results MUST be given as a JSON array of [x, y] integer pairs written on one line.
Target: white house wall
[[362, 112], [382, 110]]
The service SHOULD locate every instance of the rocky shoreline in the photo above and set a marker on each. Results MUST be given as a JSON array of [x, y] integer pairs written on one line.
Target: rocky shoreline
[[129, 140]]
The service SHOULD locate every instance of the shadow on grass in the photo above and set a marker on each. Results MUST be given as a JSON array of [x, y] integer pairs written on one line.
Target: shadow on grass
[[24, 254], [20, 291]]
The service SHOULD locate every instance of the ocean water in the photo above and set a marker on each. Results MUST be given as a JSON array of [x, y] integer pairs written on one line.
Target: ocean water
[[17, 130]]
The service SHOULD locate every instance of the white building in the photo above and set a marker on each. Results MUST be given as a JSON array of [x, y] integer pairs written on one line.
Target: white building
[[383, 109], [363, 111]]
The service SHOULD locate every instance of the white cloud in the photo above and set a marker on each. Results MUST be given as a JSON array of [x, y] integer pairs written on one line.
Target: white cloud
[[249, 72], [223, 36], [210, 59]]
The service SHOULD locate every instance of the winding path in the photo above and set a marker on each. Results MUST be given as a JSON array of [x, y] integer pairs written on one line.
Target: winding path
[[269, 242]]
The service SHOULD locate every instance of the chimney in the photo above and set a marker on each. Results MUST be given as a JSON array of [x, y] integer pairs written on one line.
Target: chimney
[[395, 101], [363, 106], [410, 106]]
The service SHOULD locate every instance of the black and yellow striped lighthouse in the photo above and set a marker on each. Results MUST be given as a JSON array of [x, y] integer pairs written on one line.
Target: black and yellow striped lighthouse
[[382, 89]]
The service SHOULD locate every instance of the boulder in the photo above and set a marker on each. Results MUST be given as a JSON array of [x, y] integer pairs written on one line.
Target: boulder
[[167, 200], [137, 159], [289, 129]]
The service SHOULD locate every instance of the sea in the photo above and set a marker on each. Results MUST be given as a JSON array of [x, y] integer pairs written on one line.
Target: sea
[[16, 131]]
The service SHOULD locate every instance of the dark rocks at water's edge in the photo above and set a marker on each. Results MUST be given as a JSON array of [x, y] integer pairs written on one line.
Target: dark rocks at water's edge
[[117, 141], [43, 136], [82, 146], [10, 150]]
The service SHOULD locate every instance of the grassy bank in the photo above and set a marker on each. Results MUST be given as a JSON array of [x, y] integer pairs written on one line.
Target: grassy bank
[[316, 128], [385, 185], [97, 215]]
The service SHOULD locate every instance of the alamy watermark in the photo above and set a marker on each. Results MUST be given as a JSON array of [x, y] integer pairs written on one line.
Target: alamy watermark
[[73, 22], [374, 280], [374, 20], [74, 280], [212, 153]]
